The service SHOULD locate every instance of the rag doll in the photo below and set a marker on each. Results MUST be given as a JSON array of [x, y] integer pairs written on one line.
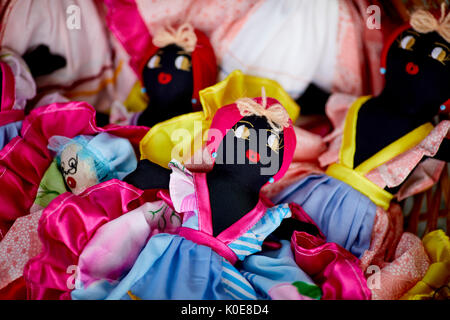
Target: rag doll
[[85, 161], [218, 248], [384, 140], [177, 64], [251, 143]]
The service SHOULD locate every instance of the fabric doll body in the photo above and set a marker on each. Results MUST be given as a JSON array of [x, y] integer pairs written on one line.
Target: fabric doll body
[[175, 64], [204, 253], [369, 165], [207, 255]]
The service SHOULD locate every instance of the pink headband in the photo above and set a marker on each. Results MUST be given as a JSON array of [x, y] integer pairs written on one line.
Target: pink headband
[[227, 116]]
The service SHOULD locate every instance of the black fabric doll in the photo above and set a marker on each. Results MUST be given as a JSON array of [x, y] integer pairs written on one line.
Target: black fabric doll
[[181, 63]]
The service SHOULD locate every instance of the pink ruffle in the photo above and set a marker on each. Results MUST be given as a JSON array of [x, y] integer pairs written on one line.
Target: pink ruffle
[[410, 264], [331, 267], [65, 228], [399, 256], [25, 159]]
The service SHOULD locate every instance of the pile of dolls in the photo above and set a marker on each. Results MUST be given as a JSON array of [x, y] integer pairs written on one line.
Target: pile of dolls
[[220, 150]]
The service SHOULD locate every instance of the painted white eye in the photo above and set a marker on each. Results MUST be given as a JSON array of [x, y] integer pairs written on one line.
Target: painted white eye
[[183, 63], [242, 132], [155, 62], [273, 142], [407, 42], [439, 54]]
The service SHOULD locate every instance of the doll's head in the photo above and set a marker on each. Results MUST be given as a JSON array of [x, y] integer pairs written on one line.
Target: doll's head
[[253, 140], [416, 63], [182, 63], [85, 160]]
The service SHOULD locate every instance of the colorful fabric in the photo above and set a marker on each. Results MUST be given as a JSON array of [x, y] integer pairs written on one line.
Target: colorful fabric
[[64, 230], [19, 245], [26, 158], [192, 251], [51, 186], [436, 282], [335, 270], [8, 132], [343, 214], [409, 266], [271, 272], [404, 168], [97, 76]]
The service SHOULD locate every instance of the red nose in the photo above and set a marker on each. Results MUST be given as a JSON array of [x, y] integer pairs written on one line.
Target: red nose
[[164, 78], [253, 156], [412, 68]]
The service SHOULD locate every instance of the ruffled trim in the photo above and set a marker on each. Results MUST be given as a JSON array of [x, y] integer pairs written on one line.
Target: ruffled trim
[[182, 188], [25, 159], [65, 228]]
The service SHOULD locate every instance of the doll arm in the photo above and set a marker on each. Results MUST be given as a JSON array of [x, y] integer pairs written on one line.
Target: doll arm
[[149, 175], [42, 62], [313, 100], [289, 225], [444, 151]]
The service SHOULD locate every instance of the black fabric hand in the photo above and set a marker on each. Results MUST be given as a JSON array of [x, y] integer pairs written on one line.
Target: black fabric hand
[[313, 101], [42, 62], [149, 175], [289, 225], [444, 151]]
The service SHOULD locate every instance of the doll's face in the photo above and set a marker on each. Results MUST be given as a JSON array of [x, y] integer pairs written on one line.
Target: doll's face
[[168, 76], [79, 174], [252, 149], [419, 65]]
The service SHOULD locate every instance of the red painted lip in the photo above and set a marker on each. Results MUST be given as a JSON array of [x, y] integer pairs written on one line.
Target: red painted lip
[[164, 78], [71, 182], [253, 156], [412, 68]]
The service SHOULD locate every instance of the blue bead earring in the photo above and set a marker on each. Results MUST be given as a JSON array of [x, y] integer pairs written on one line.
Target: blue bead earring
[[383, 70]]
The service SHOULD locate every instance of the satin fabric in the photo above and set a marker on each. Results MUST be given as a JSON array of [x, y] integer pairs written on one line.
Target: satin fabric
[[343, 214], [171, 267], [113, 249], [16, 290], [25, 159], [271, 271], [65, 228], [335, 270]]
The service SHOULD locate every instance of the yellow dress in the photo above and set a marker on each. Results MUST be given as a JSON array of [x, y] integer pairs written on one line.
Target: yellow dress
[[436, 281], [345, 171], [180, 137]]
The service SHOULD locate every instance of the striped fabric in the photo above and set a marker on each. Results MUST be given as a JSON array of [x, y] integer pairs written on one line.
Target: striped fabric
[[251, 241], [235, 284]]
